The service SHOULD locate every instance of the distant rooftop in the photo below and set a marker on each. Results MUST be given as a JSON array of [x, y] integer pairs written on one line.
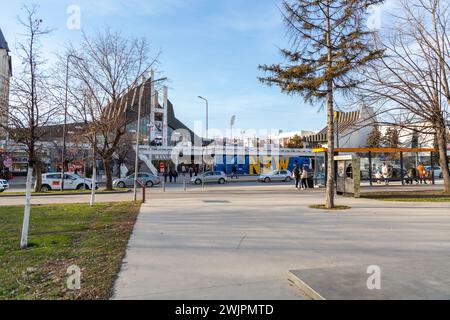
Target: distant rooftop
[[3, 43]]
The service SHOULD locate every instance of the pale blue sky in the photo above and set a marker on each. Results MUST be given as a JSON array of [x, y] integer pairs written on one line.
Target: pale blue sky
[[209, 47]]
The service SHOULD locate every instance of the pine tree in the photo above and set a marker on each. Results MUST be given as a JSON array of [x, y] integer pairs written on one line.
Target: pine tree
[[329, 40], [391, 138], [374, 139]]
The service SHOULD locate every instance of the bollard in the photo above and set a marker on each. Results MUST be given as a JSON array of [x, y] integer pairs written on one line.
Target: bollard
[[184, 186], [164, 186]]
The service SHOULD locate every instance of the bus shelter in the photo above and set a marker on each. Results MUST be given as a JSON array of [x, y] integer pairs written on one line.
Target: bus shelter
[[371, 160]]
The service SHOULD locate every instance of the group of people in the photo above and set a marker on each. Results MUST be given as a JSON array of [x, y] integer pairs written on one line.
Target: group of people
[[171, 173], [418, 175], [300, 176], [384, 173]]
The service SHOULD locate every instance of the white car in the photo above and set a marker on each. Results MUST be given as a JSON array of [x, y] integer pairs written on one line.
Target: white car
[[282, 175], [3, 185], [52, 181], [211, 176]]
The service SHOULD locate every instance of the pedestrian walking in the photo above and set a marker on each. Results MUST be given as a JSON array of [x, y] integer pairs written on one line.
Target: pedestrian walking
[[175, 175], [191, 171], [304, 179], [183, 170], [385, 173], [234, 172], [421, 172], [296, 173]]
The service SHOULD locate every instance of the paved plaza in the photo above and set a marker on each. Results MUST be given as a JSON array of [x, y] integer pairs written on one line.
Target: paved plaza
[[244, 242]]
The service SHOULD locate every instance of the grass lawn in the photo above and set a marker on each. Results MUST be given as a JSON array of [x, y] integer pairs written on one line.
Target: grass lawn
[[323, 207], [409, 196], [60, 236], [56, 193]]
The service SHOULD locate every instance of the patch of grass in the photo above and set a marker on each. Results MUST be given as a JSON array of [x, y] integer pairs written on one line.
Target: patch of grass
[[406, 199], [93, 238], [409, 196], [56, 193], [323, 207]]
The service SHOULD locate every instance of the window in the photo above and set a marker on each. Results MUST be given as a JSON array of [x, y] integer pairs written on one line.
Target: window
[[53, 176], [142, 175]]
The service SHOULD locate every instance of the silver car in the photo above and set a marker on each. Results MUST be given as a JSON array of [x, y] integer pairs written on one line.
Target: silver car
[[148, 179], [211, 176], [282, 175], [3, 185]]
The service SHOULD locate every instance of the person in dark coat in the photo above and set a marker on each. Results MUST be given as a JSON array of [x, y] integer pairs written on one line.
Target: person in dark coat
[[297, 175]]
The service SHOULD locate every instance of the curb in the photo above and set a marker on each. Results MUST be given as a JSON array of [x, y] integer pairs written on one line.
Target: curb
[[304, 287]]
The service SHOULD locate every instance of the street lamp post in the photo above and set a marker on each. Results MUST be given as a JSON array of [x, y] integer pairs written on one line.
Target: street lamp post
[[207, 128], [63, 160]]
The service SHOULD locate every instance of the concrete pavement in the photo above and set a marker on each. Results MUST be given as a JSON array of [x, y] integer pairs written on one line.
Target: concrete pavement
[[240, 242]]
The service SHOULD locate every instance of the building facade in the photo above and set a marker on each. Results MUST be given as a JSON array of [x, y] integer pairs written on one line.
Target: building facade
[[5, 76]]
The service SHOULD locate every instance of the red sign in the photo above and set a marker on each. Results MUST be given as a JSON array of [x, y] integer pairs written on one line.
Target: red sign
[[8, 162], [162, 167]]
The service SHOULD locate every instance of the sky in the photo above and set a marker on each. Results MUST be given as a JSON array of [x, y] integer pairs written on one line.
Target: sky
[[210, 48]]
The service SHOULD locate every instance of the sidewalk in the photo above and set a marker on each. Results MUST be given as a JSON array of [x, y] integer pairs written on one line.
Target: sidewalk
[[240, 244]]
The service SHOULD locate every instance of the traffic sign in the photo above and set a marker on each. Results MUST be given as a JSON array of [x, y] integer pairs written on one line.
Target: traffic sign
[[8, 162]]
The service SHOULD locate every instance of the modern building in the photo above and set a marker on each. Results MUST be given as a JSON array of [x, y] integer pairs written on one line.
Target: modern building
[[351, 129], [5, 76]]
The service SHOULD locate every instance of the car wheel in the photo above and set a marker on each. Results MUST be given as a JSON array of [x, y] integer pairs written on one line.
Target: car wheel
[[2, 190], [149, 184], [82, 187], [198, 181], [45, 188], [288, 179], [221, 181], [121, 184], [267, 180]]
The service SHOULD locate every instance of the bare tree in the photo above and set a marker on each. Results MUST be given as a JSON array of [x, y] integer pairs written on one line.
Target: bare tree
[[108, 73], [411, 83], [32, 105]]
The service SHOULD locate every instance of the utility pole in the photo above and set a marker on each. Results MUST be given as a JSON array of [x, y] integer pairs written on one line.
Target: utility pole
[[63, 156], [138, 129]]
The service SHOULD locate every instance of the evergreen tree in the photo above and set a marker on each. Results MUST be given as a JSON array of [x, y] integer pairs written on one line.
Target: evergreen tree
[[374, 138], [329, 40], [391, 138]]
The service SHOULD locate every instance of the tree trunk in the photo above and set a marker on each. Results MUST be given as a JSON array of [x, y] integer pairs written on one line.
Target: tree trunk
[[38, 174], [329, 204], [27, 209], [108, 173], [443, 158]]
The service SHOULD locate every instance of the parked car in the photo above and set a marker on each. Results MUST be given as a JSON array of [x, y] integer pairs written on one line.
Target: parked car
[[148, 179], [282, 175], [437, 171], [210, 176], [3, 185], [72, 181]]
